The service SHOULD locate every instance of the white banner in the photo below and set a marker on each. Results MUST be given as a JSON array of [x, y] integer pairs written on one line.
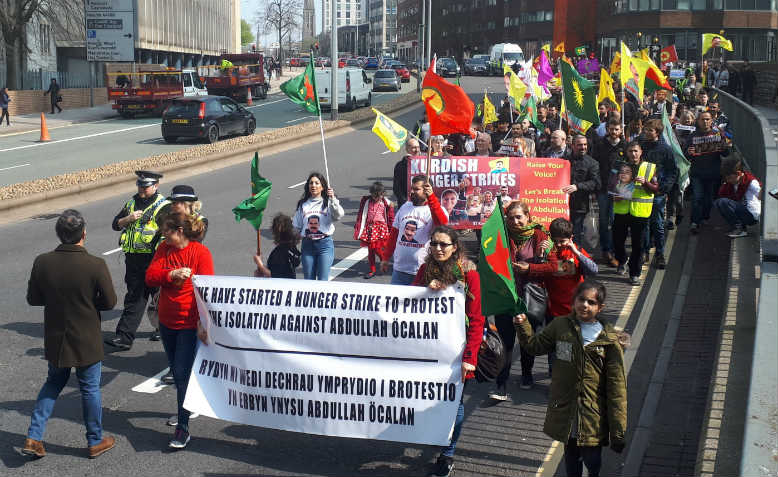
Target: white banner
[[347, 360]]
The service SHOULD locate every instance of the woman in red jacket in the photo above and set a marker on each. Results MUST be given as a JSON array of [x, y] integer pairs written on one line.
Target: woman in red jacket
[[178, 258], [444, 266]]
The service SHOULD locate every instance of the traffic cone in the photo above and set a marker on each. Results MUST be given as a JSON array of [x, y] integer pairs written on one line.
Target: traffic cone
[[44, 130], [249, 102]]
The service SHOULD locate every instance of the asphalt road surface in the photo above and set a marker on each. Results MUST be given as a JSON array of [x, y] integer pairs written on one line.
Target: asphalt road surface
[[505, 439]]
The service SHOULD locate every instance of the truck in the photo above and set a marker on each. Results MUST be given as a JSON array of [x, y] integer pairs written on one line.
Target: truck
[[136, 88], [235, 75], [353, 88], [504, 54]]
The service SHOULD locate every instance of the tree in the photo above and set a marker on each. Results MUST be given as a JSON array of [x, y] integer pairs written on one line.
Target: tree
[[66, 18], [246, 36], [282, 17]]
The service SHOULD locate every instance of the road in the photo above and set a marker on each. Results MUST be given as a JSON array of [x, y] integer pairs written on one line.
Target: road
[[497, 440], [86, 145]]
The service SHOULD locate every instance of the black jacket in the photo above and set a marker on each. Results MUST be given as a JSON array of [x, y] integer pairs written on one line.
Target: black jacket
[[660, 154], [607, 156], [584, 174], [400, 181]]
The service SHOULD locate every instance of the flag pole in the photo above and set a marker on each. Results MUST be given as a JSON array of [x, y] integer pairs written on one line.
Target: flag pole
[[334, 71]]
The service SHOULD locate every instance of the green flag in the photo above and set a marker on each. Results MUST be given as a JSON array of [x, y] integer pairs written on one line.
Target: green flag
[[680, 160], [580, 50], [302, 89], [579, 93], [251, 209], [498, 288], [531, 113]]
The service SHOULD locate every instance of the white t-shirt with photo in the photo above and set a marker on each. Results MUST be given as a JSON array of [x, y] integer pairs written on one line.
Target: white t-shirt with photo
[[314, 223], [415, 225]]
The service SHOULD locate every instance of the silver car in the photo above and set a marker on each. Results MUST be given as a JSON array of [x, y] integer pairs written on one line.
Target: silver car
[[386, 79]]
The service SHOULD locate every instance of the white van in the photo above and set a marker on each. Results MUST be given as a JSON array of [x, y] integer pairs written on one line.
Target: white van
[[354, 88], [504, 54]]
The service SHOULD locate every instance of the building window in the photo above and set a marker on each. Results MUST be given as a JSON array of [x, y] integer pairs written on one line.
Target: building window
[[45, 38]]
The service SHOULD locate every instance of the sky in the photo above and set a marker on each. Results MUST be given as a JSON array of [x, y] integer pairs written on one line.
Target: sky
[[249, 8]]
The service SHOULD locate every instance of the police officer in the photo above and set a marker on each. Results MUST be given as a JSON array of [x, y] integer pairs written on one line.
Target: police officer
[[137, 222]]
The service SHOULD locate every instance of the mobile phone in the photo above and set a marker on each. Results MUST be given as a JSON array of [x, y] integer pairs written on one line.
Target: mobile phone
[[774, 193]]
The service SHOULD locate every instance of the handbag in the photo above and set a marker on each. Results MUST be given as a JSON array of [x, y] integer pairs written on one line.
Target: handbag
[[536, 301], [59, 99], [491, 355]]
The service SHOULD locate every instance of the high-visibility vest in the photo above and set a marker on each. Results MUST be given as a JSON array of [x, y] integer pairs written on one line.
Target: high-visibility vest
[[621, 207], [642, 200], [138, 237]]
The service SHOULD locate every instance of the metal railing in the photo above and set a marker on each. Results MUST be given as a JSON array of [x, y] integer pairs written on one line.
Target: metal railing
[[753, 138], [40, 79]]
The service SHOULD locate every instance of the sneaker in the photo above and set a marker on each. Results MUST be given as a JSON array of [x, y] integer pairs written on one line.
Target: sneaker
[[621, 270], [168, 378], [498, 394], [669, 225], [738, 232], [173, 420], [694, 228], [634, 281], [610, 259], [119, 343], [659, 261], [443, 467], [155, 335], [526, 382], [180, 439]]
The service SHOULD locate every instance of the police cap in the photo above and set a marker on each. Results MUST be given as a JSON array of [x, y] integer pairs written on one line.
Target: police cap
[[147, 178], [182, 193]]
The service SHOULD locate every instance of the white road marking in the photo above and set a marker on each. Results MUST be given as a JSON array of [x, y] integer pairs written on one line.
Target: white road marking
[[296, 185], [112, 251], [386, 152], [77, 138], [265, 104], [152, 385], [300, 119], [13, 167]]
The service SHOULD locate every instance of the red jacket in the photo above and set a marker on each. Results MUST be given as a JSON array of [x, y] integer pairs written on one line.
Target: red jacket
[[476, 320], [438, 217], [177, 306], [561, 274], [728, 191]]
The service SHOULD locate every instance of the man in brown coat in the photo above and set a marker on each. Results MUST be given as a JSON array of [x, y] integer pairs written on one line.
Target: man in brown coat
[[73, 287]]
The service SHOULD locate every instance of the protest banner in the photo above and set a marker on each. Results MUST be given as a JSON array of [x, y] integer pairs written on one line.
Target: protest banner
[[470, 187], [363, 361]]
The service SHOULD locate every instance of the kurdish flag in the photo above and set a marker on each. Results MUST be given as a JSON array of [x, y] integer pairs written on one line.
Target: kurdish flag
[[606, 89], [713, 40], [580, 94], [252, 208], [498, 286], [515, 86], [680, 159], [302, 89], [489, 111], [389, 131]]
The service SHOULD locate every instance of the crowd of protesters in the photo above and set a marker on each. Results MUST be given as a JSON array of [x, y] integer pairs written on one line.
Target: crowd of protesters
[[624, 165]]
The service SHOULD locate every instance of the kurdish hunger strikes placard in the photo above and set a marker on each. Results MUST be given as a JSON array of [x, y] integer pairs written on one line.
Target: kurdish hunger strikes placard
[[469, 188], [364, 361]]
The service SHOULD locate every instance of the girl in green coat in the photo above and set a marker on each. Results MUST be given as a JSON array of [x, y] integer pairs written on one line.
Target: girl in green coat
[[587, 406]]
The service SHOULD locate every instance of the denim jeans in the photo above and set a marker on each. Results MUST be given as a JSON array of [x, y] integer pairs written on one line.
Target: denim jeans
[[458, 421], [317, 257], [734, 213], [180, 347], [402, 278], [91, 401], [654, 234], [605, 204], [703, 189], [577, 219]]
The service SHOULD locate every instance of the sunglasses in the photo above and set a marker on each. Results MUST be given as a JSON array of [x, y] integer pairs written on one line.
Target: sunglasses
[[443, 245]]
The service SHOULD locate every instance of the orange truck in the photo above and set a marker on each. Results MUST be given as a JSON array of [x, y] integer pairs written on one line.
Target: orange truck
[[235, 75], [136, 88]]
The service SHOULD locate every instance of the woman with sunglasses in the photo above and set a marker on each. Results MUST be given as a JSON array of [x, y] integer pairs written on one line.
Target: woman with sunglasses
[[444, 266]]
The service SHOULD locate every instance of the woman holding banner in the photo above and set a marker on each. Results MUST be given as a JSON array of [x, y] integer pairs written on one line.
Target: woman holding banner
[[179, 257], [444, 266]]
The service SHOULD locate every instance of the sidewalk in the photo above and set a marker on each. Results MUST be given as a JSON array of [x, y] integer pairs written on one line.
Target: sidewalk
[[32, 122]]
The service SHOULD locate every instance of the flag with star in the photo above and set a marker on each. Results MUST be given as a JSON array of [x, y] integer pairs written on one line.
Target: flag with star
[[579, 93], [302, 90], [498, 286]]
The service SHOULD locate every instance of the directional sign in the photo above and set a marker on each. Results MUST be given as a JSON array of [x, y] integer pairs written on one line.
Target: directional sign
[[110, 30]]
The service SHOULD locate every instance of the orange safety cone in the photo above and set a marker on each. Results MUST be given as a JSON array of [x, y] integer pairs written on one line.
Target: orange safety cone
[[44, 130], [249, 102]]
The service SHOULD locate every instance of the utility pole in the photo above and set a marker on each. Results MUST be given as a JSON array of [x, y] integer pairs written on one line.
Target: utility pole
[[334, 57], [429, 32], [423, 37]]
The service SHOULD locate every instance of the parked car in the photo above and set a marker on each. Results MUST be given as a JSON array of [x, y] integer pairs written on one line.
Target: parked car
[[371, 63], [447, 67], [207, 118], [353, 63], [476, 67], [402, 72], [294, 62], [386, 79], [485, 58]]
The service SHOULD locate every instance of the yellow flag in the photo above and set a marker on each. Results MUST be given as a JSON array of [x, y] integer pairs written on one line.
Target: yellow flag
[[547, 47], [389, 131], [615, 64], [490, 113], [624, 73], [560, 48], [606, 88], [713, 40], [638, 68], [516, 87]]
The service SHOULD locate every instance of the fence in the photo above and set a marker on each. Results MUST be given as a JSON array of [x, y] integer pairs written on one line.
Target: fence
[[40, 79], [754, 139]]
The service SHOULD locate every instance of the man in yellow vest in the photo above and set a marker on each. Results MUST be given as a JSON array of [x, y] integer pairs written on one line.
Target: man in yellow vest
[[633, 200], [137, 222]]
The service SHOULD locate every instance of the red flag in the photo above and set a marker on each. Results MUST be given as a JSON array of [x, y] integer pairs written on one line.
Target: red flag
[[449, 109], [668, 55]]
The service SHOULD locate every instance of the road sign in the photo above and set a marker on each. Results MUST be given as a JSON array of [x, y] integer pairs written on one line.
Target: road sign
[[110, 30]]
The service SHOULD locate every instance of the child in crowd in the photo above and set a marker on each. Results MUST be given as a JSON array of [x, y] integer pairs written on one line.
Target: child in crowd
[[285, 258], [738, 200], [375, 216]]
